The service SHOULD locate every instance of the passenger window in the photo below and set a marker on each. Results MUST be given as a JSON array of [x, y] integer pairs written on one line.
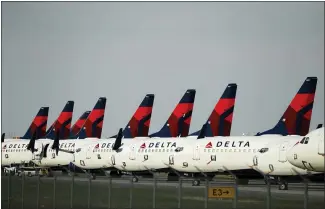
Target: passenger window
[[244, 150], [159, 150], [249, 150], [234, 150], [221, 150], [230, 150], [163, 150], [208, 150], [205, 150], [213, 150]]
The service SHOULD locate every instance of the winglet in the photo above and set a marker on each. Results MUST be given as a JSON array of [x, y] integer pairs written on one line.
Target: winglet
[[202, 132], [118, 141]]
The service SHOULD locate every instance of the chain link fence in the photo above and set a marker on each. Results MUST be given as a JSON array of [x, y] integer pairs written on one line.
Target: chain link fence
[[81, 191]]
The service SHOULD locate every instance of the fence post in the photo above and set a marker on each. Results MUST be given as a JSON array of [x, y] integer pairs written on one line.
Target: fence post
[[268, 197], [89, 191], [109, 188], [9, 187], [54, 192], [38, 189], [22, 188], [235, 201], [131, 191], [154, 187], [305, 180], [180, 181], [206, 199]]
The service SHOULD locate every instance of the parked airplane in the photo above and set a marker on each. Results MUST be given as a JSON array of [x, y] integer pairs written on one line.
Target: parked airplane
[[63, 122], [272, 161], [137, 126], [218, 124], [138, 157], [12, 152], [98, 155], [308, 153]]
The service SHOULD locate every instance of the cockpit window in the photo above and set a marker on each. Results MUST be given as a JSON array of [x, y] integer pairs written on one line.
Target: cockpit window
[[179, 149], [304, 140], [78, 150], [263, 150]]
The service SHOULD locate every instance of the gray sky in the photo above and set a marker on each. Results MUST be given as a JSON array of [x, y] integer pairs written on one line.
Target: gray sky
[[53, 52]]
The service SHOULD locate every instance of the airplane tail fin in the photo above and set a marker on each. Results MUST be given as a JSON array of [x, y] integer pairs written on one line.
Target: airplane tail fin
[[62, 123], [38, 125], [296, 118], [220, 120], [78, 125], [178, 123], [139, 124], [94, 123]]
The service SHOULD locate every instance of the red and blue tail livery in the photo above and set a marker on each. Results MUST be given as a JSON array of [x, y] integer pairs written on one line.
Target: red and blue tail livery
[[78, 125], [62, 123], [296, 118], [220, 120], [94, 123], [178, 123], [139, 124], [38, 125]]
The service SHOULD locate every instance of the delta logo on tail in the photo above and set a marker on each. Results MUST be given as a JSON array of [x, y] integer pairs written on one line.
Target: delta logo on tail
[[38, 125], [178, 123], [220, 120], [296, 118], [78, 125], [63, 123], [94, 123], [139, 124]]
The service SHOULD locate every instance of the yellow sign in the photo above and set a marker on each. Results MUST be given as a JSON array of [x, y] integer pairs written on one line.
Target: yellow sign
[[222, 192]]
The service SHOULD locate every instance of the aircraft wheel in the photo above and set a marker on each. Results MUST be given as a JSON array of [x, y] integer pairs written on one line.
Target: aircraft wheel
[[93, 176], [196, 182], [283, 186], [135, 179]]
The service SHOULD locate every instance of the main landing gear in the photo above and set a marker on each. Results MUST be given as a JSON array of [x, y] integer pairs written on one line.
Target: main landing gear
[[196, 182], [135, 179], [283, 185]]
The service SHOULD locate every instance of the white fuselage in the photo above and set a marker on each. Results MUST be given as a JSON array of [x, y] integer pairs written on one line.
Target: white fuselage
[[62, 158], [272, 159], [15, 151], [308, 154], [97, 155], [209, 154]]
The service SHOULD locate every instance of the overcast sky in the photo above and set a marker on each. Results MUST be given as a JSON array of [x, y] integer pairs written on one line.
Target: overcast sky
[[53, 52]]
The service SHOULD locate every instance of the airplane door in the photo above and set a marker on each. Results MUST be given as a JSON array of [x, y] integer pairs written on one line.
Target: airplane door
[[132, 153], [88, 153], [321, 146], [283, 152], [196, 152]]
